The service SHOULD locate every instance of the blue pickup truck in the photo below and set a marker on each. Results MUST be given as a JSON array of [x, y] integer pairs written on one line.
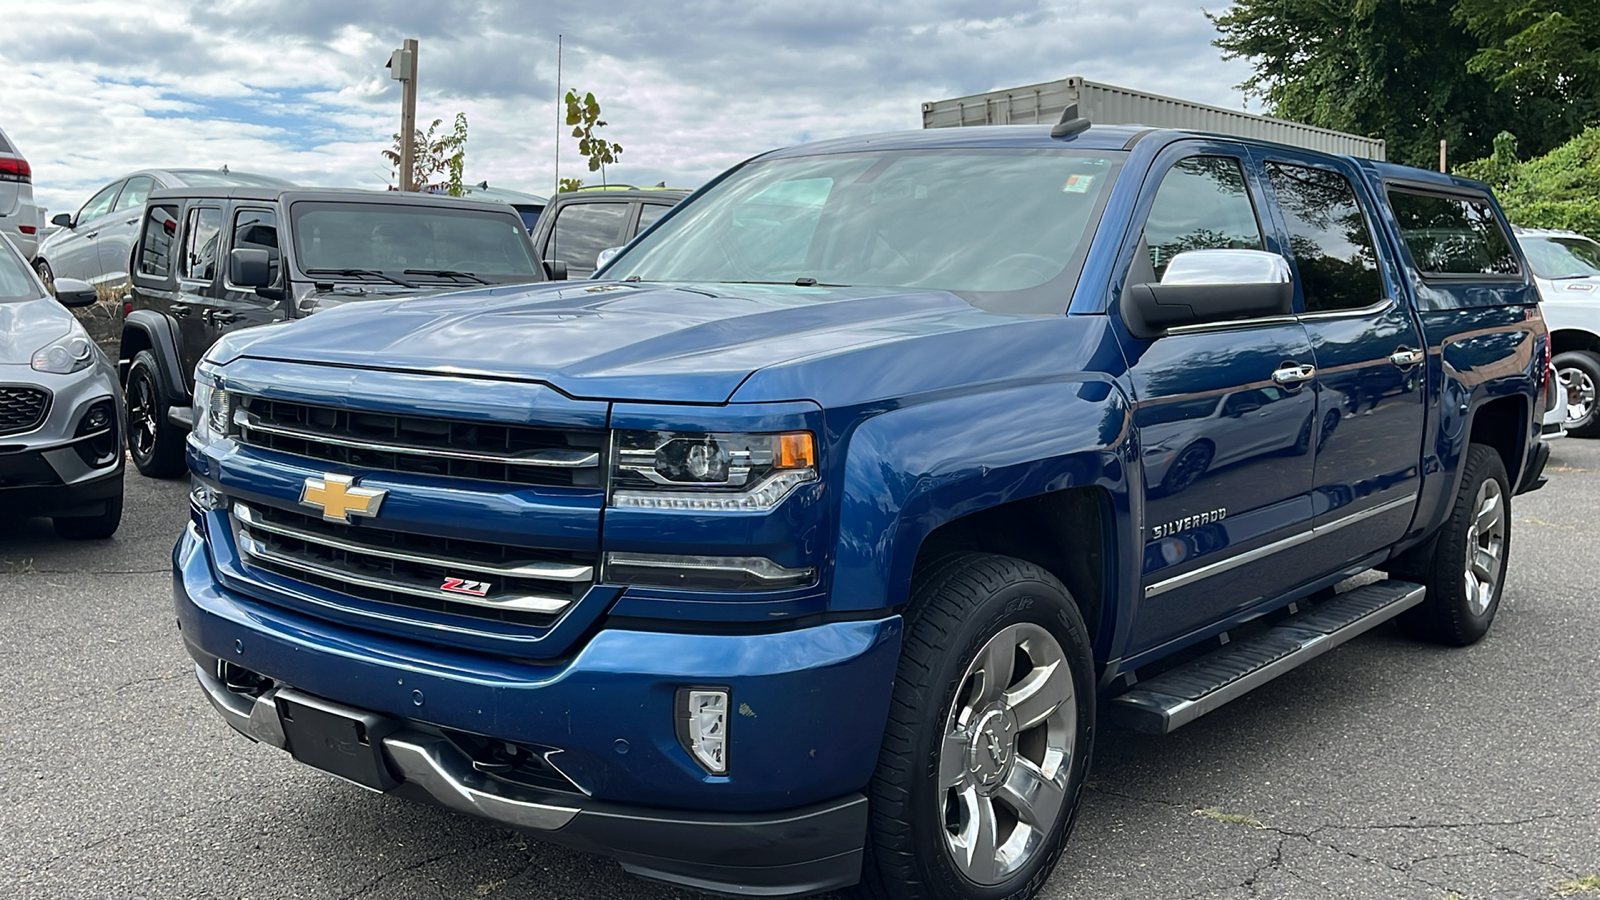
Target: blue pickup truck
[[815, 541]]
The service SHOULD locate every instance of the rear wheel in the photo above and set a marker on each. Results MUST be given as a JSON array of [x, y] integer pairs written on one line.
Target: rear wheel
[[1578, 373], [155, 444], [1466, 572], [989, 736]]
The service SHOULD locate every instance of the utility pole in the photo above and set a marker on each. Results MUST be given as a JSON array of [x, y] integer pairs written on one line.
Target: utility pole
[[403, 68], [1442, 166]]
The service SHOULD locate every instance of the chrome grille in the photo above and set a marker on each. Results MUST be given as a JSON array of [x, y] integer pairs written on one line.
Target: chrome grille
[[22, 408], [520, 584], [486, 451]]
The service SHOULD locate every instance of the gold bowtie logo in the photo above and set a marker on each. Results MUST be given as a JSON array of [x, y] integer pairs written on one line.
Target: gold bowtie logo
[[338, 498]]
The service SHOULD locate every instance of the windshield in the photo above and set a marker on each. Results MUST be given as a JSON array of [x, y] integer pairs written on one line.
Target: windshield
[[1562, 257], [1005, 229], [397, 239], [16, 283]]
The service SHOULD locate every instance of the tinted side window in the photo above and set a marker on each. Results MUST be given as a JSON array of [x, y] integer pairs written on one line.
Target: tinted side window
[[133, 196], [99, 204], [1450, 235], [155, 246], [582, 231], [200, 244], [1202, 204], [257, 229], [1329, 236], [649, 213]]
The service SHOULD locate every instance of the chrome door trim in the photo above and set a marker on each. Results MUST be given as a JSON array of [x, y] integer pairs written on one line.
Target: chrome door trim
[[1250, 556]]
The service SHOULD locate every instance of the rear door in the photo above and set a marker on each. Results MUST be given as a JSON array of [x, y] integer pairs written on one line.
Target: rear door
[[1226, 481], [199, 280], [1368, 350], [582, 230], [121, 228]]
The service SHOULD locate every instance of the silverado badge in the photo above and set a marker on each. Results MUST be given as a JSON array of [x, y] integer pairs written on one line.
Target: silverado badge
[[338, 498]]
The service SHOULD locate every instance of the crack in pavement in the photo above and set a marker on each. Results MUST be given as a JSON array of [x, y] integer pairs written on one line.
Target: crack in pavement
[[412, 867]]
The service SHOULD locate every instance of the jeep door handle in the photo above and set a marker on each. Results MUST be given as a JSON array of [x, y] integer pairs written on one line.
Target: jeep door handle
[[1294, 373], [179, 310], [1405, 357], [224, 317]]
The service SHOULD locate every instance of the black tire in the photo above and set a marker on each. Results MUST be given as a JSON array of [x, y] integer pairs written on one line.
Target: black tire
[[155, 444], [1455, 612], [91, 528], [1579, 372], [1191, 463], [957, 606], [45, 274]]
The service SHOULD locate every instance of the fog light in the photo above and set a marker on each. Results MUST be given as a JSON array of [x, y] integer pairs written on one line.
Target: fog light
[[703, 726], [98, 418]]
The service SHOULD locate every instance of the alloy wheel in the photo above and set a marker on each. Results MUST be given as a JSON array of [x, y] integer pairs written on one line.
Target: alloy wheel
[[1580, 390], [1007, 749], [1486, 544], [141, 415]]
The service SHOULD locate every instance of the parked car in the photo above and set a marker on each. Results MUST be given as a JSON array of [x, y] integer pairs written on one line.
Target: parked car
[[93, 243], [212, 260], [578, 226], [19, 218], [1566, 267], [815, 544], [528, 206], [59, 407]]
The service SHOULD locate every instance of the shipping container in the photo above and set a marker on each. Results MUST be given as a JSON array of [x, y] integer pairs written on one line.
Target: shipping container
[[1105, 104]]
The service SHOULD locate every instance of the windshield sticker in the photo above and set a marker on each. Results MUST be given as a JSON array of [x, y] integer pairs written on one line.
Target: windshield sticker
[[1077, 184]]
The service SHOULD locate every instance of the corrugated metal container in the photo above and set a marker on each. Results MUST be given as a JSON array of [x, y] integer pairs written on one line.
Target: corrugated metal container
[[1106, 104]]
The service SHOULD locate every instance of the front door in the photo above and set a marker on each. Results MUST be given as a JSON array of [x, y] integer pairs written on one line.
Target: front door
[[75, 254], [1222, 415], [235, 307], [1369, 356]]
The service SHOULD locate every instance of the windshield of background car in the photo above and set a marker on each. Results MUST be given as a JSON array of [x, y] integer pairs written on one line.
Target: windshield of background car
[[1005, 229], [392, 238], [15, 281], [1562, 257]]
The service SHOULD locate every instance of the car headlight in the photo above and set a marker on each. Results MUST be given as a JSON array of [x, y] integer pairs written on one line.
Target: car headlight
[[710, 472], [213, 407], [72, 353]]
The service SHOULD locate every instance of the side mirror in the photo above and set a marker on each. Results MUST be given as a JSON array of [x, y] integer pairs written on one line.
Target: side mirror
[[73, 293], [556, 269], [62, 219], [1205, 286], [250, 268], [606, 255]]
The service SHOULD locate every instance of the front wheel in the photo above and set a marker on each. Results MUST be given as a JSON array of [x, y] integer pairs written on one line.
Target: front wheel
[[1578, 373], [989, 736]]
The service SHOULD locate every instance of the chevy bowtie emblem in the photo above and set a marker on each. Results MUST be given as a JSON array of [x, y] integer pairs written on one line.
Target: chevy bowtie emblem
[[338, 498]]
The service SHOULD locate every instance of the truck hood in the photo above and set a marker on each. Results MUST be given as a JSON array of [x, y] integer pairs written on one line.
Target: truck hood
[[26, 326], [683, 343]]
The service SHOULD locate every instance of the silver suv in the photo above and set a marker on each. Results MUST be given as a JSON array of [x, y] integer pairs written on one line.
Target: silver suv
[[19, 218], [60, 410]]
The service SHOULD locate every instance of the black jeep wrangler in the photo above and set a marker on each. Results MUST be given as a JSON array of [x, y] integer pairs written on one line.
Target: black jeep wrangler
[[212, 260], [578, 226]]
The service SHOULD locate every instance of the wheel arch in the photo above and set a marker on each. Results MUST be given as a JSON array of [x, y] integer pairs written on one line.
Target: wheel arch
[[147, 330], [1569, 340]]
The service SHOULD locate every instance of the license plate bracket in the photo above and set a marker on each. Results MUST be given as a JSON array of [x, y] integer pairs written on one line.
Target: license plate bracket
[[337, 739]]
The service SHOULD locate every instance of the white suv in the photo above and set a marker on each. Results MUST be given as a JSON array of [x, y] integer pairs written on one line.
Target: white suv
[[19, 218], [1566, 267]]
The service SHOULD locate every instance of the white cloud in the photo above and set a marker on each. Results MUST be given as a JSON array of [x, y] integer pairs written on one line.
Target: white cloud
[[297, 88]]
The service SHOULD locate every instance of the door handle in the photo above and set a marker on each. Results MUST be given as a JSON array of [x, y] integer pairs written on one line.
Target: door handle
[[1294, 373], [1405, 357], [224, 317], [179, 310], [91, 235], [132, 221]]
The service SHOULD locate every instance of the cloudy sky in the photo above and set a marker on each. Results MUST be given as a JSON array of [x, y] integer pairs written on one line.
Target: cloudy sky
[[91, 89]]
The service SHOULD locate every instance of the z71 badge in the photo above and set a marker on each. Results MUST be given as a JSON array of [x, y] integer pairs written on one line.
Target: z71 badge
[[463, 586]]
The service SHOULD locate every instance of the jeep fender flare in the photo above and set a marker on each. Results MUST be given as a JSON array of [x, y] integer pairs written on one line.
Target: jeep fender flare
[[912, 469], [158, 335]]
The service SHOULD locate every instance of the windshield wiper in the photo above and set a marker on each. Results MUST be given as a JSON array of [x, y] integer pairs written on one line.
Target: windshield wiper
[[370, 273], [798, 282], [447, 273]]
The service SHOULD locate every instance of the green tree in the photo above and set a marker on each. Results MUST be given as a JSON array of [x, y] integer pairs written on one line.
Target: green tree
[[445, 155], [584, 115], [569, 184], [1539, 47], [1409, 71], [1560, 189]]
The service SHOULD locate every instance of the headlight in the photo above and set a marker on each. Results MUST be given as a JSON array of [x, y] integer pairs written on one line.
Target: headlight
[[213, 407], [72, 353], [710, 472]]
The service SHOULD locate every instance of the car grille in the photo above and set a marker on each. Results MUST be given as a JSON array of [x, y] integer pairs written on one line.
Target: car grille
[[509, 454], [469, 578], [22, 408]]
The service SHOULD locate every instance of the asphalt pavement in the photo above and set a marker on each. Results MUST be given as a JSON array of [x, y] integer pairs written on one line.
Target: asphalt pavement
[[1386, 769]]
